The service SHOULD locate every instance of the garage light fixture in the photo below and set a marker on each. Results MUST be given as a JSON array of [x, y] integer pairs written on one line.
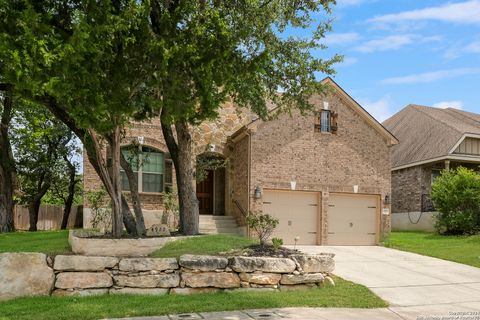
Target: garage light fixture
[[387, 200], [355, 189], [258, 193], [293, 184]]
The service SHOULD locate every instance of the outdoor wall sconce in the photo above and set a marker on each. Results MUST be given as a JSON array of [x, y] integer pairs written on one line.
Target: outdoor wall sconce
[[387, 200], [258, 193], [355, 189], [293, 185]]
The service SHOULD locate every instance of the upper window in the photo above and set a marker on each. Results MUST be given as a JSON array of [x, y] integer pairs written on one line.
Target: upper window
[[323, 121], [151, 168]]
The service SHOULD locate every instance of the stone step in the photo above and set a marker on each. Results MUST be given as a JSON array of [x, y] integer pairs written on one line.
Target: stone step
[[209, 217], [219, 224], [220, 231]]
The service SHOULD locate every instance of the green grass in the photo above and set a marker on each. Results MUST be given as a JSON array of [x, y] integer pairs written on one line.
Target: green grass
[[50, 242], [462, 249], [203, 245], [344, 294]]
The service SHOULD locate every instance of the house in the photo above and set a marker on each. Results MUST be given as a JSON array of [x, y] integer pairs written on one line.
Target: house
[[431, 140], [325, 175]]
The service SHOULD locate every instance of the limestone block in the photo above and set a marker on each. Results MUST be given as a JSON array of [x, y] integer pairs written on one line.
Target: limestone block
[[83, 263], [79, 293], [184, 291], [147, 264], [261, 278], [25, 274], [211, 279], [273, 265], [315, 263], [83, 280], [302, 278], [146, 291], [148, 281], [203, 263]]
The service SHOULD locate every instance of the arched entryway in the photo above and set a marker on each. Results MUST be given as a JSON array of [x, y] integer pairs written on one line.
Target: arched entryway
[[211, 184]]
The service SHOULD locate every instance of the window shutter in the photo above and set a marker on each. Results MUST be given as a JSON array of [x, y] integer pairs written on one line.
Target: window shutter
[[333, 122]]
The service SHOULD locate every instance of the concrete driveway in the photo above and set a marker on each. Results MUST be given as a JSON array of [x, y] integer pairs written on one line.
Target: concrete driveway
[[412, 284]]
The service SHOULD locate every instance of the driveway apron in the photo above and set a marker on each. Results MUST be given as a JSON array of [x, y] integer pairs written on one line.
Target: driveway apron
[[412, 284]]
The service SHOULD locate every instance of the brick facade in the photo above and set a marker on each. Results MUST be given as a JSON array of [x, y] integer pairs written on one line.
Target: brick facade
[[288, 149]]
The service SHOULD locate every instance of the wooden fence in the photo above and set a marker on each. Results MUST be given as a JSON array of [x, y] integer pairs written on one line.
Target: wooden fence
[[49, 217]]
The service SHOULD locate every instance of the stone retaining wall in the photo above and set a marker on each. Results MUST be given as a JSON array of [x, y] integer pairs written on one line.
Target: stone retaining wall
[[89, 275]]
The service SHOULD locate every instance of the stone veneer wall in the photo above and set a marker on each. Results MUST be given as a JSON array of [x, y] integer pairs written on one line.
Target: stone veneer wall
[[87, 275], [407, 187]]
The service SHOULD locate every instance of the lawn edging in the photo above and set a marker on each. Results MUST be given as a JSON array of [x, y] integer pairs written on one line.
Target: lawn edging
[[93, 275]]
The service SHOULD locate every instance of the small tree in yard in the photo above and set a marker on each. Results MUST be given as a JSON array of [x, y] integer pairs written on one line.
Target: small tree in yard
[[456, 195], [262, 225]]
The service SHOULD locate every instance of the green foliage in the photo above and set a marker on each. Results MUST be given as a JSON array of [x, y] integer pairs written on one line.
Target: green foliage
[[59, 191], [208, 161], [49, 242], [461, 249], [171, 212], [40, 144], [456, 195], [344, 294], [262, 225], [277, 243], [203, 245], [101, 210]]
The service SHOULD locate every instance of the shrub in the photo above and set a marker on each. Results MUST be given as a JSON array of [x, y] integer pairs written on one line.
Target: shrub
[[456, 195], [277, 243], [171, 214], [262, 225], [101, 210]]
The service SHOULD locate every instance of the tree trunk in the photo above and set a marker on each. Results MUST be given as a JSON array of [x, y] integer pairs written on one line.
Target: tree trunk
[[96, 159], [133, 184], [72, 181], [117, 221], [34, 204], [182, 157], [7, 164]]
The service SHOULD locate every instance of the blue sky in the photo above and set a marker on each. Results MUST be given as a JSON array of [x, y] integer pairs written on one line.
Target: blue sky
[[408, 51]]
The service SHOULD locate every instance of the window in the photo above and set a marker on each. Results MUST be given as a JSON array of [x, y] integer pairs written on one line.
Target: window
[[435, 174], [322, 121], [150, 167]]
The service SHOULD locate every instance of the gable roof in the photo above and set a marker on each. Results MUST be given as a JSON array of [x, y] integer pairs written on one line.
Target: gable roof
[[392, 140], [428, 133]]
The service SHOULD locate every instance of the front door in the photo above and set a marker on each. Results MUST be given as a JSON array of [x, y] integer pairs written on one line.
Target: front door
[[205, 194]]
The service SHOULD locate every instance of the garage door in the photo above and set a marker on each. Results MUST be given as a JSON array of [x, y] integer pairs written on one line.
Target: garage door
[[352, 219], [297, 213]]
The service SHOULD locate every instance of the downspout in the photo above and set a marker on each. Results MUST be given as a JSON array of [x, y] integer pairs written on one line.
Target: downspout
[[249, 157]]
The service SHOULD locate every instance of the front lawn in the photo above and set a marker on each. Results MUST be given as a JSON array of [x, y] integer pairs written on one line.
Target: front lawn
[[50, 242], [203, 245], [463, 249], [344, 295]]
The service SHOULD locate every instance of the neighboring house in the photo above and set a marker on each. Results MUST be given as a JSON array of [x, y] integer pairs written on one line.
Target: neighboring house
[[431, 140], [324, 175]]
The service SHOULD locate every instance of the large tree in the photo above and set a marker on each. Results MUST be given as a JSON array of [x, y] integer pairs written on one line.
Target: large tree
[[80, 59], [253, 52], [7, 163]]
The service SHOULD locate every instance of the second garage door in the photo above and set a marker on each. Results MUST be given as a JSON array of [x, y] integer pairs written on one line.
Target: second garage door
[[352, 219], [297, 213]]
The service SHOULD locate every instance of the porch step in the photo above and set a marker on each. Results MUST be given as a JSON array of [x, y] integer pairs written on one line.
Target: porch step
[[218, 224]]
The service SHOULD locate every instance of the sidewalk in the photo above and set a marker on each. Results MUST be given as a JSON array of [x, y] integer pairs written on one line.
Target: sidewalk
[[393, 313]]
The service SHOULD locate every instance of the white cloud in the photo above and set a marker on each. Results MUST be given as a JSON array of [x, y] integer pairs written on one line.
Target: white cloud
[[340, 38], [349, 3], [466, 12], [459, 50], [384, 44], [457, 104], [431, 76], [380, 109]]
